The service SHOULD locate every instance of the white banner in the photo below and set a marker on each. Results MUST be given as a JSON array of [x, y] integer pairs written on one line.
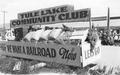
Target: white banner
[[89, 57], [69, 55], [81, 15], [64, 54]]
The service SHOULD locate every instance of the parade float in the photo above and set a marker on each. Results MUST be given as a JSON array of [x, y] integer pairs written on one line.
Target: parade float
[[64, 45]]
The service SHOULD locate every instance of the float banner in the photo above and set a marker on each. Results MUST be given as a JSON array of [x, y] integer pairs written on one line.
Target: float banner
[[74, 16], [46, 11], [90, 57], [69, 55]]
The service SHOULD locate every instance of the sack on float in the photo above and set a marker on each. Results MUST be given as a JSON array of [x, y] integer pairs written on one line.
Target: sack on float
[[37, 34], [82, 34], [29, 35], [44, 35], [54, 34]]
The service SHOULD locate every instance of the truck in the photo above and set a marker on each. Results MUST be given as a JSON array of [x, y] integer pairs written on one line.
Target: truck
[[65, 45]]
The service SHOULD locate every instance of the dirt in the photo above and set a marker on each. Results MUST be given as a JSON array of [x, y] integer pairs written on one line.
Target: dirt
[[7, 64]]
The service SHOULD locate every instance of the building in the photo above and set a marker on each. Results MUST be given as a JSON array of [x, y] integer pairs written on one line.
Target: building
[[101, 22]]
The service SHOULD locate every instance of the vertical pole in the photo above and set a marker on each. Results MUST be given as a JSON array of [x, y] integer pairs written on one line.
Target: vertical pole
[[108, 21], [90, 23], [3, 19], [4, 22]]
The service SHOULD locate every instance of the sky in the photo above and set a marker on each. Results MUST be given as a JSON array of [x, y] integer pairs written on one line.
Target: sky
[[98, 7]]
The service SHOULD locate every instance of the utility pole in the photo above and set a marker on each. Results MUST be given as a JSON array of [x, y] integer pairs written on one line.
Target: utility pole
[[90, 20], [108, 21], [4, 14]]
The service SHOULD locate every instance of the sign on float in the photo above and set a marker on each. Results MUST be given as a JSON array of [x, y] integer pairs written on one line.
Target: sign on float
[[52, 15], [47, 11], [43, 52]]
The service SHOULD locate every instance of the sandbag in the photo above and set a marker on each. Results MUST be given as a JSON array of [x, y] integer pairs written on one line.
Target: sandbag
[[55, 33], [64, 35], [29, 35], [37, 34], [82, 34], [44, 35]]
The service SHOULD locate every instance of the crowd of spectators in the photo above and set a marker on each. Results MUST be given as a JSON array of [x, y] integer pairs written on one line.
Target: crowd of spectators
[[109, 38]]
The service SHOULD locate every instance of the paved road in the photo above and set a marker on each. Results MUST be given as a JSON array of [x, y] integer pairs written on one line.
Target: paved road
[[110, 56]]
